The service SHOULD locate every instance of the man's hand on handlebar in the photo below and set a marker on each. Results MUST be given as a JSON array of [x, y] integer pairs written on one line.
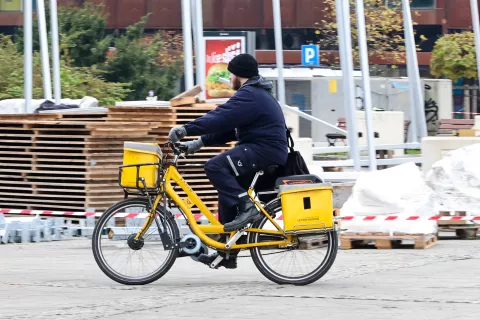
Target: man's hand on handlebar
[[193, 146], [177, 147], [188, 148]]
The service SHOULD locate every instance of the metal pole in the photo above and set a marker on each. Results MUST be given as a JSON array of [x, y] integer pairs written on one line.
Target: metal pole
[[187, 44], [476, 35], [346, 61], [413, 128], [197, 7], [57, 89], [367, 94], [277, 22], [42, 31], [27, 53], [194, 33], [414, 77]]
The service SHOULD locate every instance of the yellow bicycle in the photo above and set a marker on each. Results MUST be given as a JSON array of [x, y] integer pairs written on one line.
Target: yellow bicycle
[[298, 249]]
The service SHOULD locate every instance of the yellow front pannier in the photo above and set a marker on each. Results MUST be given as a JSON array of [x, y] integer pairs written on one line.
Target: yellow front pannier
[[140, 161], [307, 207]]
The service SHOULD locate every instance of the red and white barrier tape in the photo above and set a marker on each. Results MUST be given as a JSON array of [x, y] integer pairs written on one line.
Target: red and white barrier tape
[[200, 216], [408, 218], [82, 214]]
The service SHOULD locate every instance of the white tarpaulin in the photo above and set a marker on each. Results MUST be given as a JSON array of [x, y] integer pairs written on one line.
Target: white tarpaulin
[[16, 106], [456, 180], [399, 190]]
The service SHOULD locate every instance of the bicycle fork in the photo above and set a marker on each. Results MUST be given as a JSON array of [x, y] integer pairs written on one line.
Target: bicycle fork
[[164, 237]]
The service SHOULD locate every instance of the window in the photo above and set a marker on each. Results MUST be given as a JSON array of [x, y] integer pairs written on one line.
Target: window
[[414, 4], [423, 4]]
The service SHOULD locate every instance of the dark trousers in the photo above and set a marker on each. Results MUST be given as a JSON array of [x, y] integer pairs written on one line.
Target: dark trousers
[[223, 172]]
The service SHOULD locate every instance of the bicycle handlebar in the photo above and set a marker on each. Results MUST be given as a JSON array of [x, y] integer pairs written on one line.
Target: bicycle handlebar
[[177, 148]]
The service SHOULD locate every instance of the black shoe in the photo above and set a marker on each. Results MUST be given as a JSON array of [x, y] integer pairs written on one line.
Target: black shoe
[[247, 213], [230, 263]]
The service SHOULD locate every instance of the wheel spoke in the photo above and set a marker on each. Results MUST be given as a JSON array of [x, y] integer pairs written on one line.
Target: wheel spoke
[[301, 263], [125, 259]]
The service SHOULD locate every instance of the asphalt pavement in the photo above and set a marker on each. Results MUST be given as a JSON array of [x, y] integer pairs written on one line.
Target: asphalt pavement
[[60, 280]]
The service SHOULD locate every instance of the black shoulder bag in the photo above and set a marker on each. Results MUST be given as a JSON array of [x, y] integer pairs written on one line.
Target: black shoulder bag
[[295, 163]]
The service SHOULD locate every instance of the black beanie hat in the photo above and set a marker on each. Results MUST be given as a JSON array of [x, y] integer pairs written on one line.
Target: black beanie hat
[[243, 65]]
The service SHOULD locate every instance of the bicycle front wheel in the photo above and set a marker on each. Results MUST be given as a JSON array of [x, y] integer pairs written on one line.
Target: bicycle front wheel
[[306, 262], [129, 261]]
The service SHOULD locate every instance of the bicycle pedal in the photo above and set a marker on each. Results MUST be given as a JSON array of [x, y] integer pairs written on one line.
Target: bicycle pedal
[[235, 238], [216, 262]]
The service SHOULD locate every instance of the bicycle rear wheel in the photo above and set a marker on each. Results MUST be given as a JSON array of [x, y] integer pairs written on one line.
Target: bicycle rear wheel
[[139, 262], [300, 265]]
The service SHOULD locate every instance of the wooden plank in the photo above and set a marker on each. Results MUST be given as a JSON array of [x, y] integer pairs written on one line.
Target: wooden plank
[[184, 101], [49, 206], [85, 168], [81, 193], [68, 124], [42, 179], [94, 186], [458, 121], [31, 200], [33, 116], [189, 93], [196, 107], [454, 126]]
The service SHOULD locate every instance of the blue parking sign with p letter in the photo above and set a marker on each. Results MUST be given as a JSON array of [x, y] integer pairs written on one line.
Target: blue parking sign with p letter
[[310, 55]]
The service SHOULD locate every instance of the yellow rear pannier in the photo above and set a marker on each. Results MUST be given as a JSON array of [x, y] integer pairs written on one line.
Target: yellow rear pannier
[[307, 206], [140, 160]]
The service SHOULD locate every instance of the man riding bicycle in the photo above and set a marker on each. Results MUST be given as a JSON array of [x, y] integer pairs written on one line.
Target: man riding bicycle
[[254, 118]]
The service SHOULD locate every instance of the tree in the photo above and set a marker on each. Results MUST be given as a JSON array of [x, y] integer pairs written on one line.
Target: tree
[[83, 40], [76, 82], [453, 56], [384, 25], [145, 62]]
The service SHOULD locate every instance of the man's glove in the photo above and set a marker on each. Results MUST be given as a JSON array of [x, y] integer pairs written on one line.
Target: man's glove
[[177, 134], [193, 146]]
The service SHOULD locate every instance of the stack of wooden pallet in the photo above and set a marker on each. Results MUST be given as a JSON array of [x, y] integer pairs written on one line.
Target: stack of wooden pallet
[[55, 163], [69, 160]]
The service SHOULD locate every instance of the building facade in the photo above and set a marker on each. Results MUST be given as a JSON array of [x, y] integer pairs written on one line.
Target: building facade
[[435, 17]]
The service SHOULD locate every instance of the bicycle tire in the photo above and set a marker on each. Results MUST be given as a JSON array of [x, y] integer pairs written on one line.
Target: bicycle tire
[[97, 233], [273, 207]]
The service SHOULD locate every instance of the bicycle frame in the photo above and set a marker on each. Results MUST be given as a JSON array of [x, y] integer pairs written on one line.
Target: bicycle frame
[[215, 227]]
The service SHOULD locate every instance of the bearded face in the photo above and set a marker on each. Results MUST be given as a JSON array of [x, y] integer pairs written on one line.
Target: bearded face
[[236, 84], [235, 81]]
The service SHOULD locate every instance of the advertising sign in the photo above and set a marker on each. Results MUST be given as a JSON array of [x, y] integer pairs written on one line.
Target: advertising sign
[[220, 48]]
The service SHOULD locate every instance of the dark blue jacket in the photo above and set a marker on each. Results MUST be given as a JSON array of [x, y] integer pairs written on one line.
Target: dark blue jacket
[[252, 116]]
